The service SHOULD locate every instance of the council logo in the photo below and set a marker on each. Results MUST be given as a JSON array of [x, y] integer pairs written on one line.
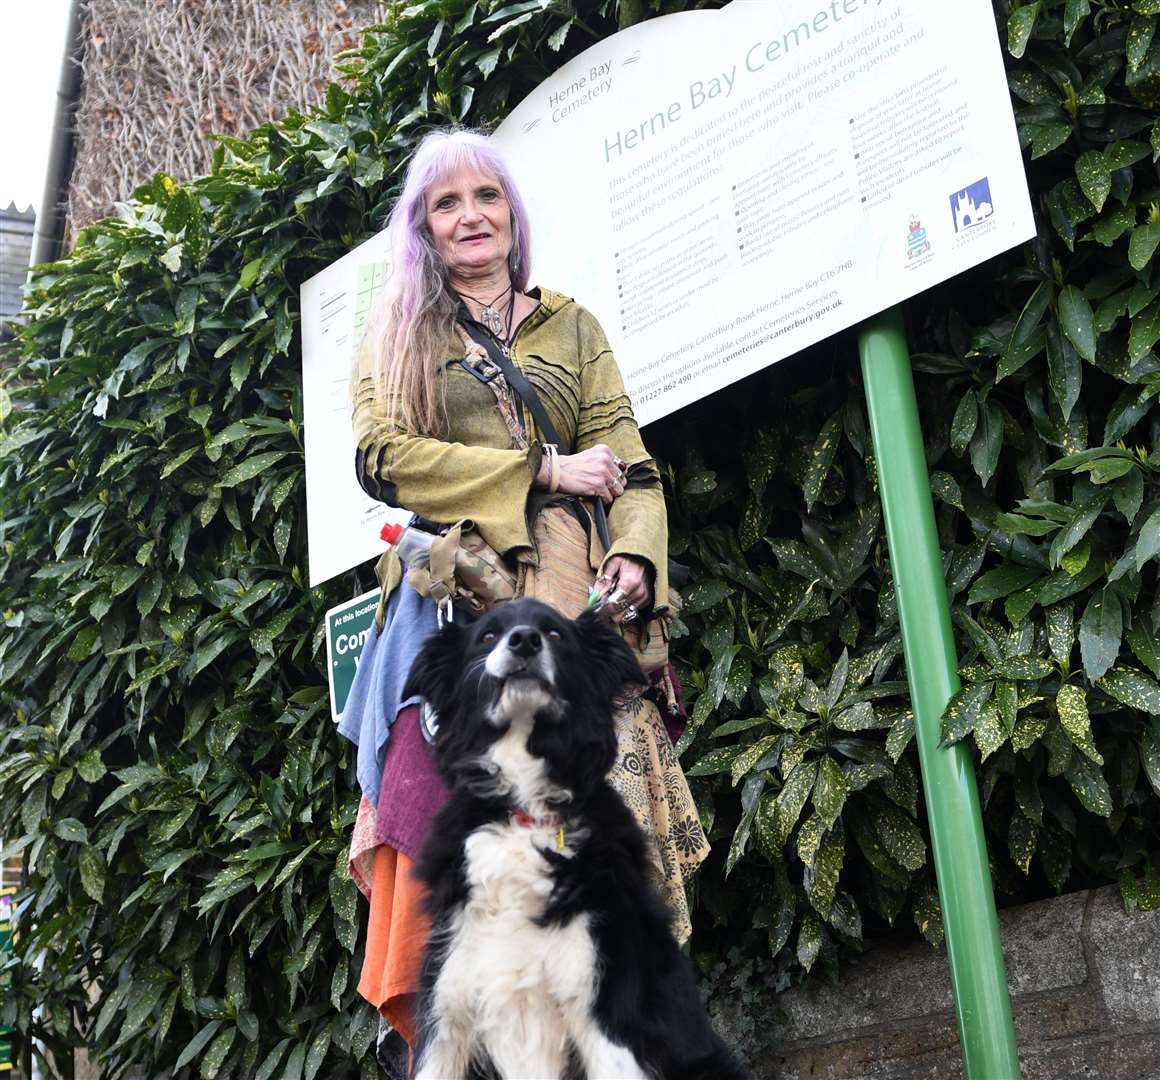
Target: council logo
[[917, 243], [972, 205]]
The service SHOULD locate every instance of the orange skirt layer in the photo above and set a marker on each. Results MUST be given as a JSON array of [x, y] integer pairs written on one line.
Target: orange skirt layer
[[397, 930]]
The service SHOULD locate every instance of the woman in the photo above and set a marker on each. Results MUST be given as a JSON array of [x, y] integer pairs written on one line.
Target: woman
[[434, 438]]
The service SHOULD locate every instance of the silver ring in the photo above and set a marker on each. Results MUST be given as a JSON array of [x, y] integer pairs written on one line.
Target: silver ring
[[630, 613], [621, 464], [603, 577], [618, 600]]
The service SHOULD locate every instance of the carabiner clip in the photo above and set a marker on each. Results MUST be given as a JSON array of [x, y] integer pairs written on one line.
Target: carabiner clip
[[444, 612]]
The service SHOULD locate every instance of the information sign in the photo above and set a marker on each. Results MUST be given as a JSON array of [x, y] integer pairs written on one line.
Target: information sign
[[724, 188], [347, 627]]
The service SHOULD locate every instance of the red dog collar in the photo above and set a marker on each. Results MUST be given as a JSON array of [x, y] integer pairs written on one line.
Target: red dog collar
[[552, 821]]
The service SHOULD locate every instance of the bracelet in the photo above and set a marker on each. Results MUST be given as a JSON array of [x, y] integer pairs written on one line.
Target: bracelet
[[553, 467]]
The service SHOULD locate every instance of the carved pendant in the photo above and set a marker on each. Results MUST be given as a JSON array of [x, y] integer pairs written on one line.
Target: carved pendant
[[492, 319]]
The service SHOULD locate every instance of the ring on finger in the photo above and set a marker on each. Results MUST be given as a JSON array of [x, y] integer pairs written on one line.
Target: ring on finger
[[621, 464], [630, 613], [619, 600]]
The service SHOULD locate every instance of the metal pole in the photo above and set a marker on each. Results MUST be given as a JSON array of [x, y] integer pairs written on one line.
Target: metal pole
[[978, 978]]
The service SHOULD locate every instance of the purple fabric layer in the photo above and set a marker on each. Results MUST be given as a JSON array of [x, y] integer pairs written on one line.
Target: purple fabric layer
[[412, 792]]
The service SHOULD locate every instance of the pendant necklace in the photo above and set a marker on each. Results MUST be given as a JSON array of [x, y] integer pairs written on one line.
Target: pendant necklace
[[490, 316]]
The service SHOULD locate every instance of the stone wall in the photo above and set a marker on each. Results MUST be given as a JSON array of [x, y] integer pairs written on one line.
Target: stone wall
[[1085, 992]]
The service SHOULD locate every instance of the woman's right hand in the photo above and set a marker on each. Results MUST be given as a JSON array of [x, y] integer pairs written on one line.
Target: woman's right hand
[[593, 472]]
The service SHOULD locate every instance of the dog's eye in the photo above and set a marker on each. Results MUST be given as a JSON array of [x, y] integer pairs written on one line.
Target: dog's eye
[[488, 637], [554, 635]]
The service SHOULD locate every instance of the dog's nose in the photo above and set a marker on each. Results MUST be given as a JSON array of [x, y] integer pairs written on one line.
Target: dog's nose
[[524, 641]]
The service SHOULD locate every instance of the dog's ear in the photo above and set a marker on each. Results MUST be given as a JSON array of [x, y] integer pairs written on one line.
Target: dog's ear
[[609, 662], [435, 674]]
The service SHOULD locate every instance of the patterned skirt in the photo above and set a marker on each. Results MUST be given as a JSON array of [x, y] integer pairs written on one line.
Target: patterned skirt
[[647, 774]]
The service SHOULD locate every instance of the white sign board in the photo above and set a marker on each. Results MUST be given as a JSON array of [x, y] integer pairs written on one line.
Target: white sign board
[[342, 521], [723, 189]]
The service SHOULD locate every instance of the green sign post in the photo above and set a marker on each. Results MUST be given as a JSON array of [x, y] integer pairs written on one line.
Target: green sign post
[[974, 953], [347, 627]]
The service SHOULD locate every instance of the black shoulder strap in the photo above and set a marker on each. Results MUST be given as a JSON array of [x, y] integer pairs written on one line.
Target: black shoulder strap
[[525, 391], [516, 379]]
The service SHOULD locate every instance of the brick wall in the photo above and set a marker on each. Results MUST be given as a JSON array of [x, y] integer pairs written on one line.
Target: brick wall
[[1085, 991]]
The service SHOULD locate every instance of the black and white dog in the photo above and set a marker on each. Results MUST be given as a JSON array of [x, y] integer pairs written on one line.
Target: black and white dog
[[550, 953]]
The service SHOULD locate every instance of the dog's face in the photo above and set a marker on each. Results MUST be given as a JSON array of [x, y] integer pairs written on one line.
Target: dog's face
[[523, 663]]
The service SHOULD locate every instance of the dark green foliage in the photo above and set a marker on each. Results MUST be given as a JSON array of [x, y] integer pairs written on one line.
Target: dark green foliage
[[167, 767], [1036, 379]]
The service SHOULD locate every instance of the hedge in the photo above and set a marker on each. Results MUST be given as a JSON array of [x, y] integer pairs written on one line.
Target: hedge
[[168, 770]]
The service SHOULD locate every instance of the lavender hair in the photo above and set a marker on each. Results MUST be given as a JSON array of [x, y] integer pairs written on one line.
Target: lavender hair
[[415, 315]]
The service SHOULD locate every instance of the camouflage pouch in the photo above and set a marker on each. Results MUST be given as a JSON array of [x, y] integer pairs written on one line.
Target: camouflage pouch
[[465, 570], [482, 578]]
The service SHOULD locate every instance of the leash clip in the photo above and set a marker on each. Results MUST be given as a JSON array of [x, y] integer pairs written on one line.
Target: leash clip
[[444, 612]]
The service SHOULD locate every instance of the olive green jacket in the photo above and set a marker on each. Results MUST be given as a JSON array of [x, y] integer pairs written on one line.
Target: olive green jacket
[[473, 472]]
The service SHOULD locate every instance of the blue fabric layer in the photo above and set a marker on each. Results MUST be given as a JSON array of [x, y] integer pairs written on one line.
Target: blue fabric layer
[[376, 694]]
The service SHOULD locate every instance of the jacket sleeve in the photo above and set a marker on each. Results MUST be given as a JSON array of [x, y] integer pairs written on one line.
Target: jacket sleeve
[[441, 481], [637, 520]]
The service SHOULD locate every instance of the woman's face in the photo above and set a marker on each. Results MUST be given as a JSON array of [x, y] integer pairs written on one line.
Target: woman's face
[[470, 222]]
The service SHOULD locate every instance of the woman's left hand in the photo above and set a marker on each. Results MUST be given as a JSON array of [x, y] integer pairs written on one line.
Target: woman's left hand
[[633, 577]]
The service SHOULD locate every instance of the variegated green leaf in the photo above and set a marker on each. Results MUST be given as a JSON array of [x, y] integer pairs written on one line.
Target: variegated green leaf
[[1150, 755], [821, 877], [1060, 620], [821, 458], [715, 761], [1074, 13], [901, 732], [965, 421], [928, 913], [750, 756], [1071, 702], [1146, 645], [809, 838], [1089, 785], [792, 798], [1142, 245], [959, 719], [92, 869], [844, 915], [250, 467], [1099, 633], [750, 801], [1022, 837], [1019, 26], [1075, 313], [765, 824], [809, 941], [211, 1062], [1133, 688], [900, 836], [830, 791], [1007, 702], [989, 731]]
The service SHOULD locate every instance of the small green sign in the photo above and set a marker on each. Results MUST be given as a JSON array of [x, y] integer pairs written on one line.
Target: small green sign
[[6, 931], [347, 627]]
